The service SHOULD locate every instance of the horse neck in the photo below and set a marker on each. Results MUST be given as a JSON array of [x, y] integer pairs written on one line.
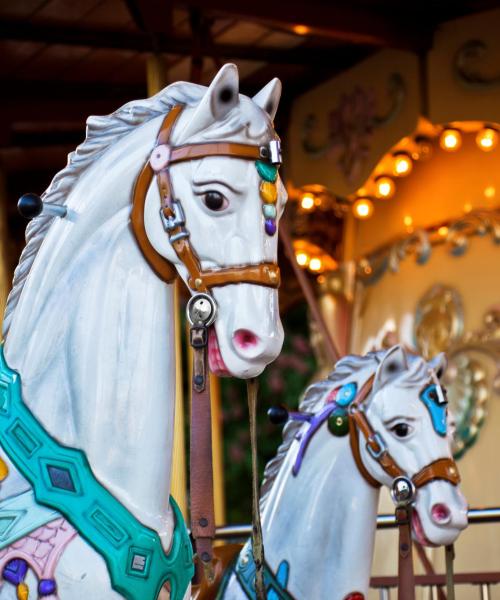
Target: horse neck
[[92, 339], [322, 521]]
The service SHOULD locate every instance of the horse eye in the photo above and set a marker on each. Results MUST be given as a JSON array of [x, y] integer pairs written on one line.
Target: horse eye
[[402, 430], [215, 201]]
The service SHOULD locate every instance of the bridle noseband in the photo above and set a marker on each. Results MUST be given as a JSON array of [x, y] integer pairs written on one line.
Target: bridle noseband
[[163, 156]]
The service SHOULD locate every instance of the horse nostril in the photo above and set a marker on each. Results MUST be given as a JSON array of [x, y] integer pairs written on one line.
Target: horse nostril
[[245, 339], [441, 514]]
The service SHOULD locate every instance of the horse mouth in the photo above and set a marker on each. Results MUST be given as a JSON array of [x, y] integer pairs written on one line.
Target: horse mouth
[[215, 360], [418, 531]]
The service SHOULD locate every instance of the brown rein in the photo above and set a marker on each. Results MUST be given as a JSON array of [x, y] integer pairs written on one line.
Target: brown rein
[[202, 312]]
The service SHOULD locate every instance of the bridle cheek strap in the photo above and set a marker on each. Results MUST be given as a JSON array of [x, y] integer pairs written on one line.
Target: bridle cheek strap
[[163, 156], [444, 469]]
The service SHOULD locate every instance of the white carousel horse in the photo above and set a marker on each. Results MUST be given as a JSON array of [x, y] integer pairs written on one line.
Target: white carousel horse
[[89, 348], [319, 504]]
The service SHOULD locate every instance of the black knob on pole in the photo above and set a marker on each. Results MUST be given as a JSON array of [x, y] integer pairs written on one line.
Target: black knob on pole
[[30, 205], [278, 414]]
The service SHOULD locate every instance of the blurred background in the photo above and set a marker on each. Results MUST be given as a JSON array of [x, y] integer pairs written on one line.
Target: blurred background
[[390, 120]]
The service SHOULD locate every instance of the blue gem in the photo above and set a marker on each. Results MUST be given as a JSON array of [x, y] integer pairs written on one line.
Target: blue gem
[[270, 226], [346, 394], [269, 211], [46, 587], [15, 571], [61, 478]]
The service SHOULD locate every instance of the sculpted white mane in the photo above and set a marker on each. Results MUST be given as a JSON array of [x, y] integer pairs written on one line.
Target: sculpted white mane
[[89, 354]]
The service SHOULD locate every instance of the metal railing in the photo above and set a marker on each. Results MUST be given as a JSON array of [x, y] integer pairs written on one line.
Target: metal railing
[[384, 584], [384, 521]]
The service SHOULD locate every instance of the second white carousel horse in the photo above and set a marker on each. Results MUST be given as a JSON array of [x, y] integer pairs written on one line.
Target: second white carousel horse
[[87, 378], [376, 417]]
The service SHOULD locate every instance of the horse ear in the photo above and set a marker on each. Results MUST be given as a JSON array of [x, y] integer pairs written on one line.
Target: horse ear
[[439, 363], [219, 99], [269, 97], [391, 367]]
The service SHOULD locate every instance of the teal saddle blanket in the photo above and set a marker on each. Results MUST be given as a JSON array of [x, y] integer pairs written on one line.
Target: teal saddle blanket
[[63, 484]]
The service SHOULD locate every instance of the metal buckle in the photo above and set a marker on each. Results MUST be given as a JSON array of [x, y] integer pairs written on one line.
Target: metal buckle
[[403, 491], [271, 152], [377, 438], [178, 220], [275, 152], [201, 310]]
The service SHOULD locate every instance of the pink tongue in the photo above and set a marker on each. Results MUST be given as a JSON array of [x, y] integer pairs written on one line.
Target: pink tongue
[[215, 360], [418, 530]]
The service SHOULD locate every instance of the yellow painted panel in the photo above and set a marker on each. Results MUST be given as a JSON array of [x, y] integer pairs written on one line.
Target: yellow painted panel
[[356, 95], [450, 98]]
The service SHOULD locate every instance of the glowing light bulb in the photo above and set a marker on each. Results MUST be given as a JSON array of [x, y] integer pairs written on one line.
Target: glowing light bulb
[[443, 231], [402, 164], [408, 221], [487, 139], [363, 208], [385, 187], [301, 29], [307, 202], [489, 192], [302, 258], [315, 264], [450, 139], [467, 207]]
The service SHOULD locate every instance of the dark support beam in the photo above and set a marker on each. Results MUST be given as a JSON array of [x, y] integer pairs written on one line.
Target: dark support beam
[[153, 16], [14, 90], [142, 42], [331, 19]]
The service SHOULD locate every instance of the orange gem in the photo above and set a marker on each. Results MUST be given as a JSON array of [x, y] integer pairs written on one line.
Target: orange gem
[[268, 192]]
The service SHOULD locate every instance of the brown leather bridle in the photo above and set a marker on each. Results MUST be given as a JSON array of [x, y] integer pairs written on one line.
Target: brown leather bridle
[[162, 158], [442, 468], [200, 282]]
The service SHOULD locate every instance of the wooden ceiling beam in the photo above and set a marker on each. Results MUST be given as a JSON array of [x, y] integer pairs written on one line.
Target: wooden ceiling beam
[[153, 16], [142, 42], [330, 19]]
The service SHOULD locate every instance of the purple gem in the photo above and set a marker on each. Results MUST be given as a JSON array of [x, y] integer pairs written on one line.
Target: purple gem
[[15, 571], [270, 226], [46, 587]]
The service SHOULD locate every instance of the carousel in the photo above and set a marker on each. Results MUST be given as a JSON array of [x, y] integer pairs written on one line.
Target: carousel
[[248, 356]]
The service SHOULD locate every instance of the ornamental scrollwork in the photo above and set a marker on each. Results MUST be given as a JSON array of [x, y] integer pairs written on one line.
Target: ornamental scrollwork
[[351, 126], [469, 65], [371, 268], [473, 373]]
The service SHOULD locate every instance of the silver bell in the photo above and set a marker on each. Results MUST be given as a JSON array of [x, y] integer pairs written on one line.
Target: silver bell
[[201, 310], [403, 491]]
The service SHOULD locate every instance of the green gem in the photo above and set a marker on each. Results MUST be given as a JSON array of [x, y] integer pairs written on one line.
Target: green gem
[[269, 211], [338, 423], [266, 171]]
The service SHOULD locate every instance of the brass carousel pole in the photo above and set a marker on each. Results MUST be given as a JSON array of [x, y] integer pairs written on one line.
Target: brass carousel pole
[[156, 69], [307, 290]]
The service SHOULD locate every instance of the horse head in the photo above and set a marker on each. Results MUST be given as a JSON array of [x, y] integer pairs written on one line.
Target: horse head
[[408, 411], [228, 206]]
